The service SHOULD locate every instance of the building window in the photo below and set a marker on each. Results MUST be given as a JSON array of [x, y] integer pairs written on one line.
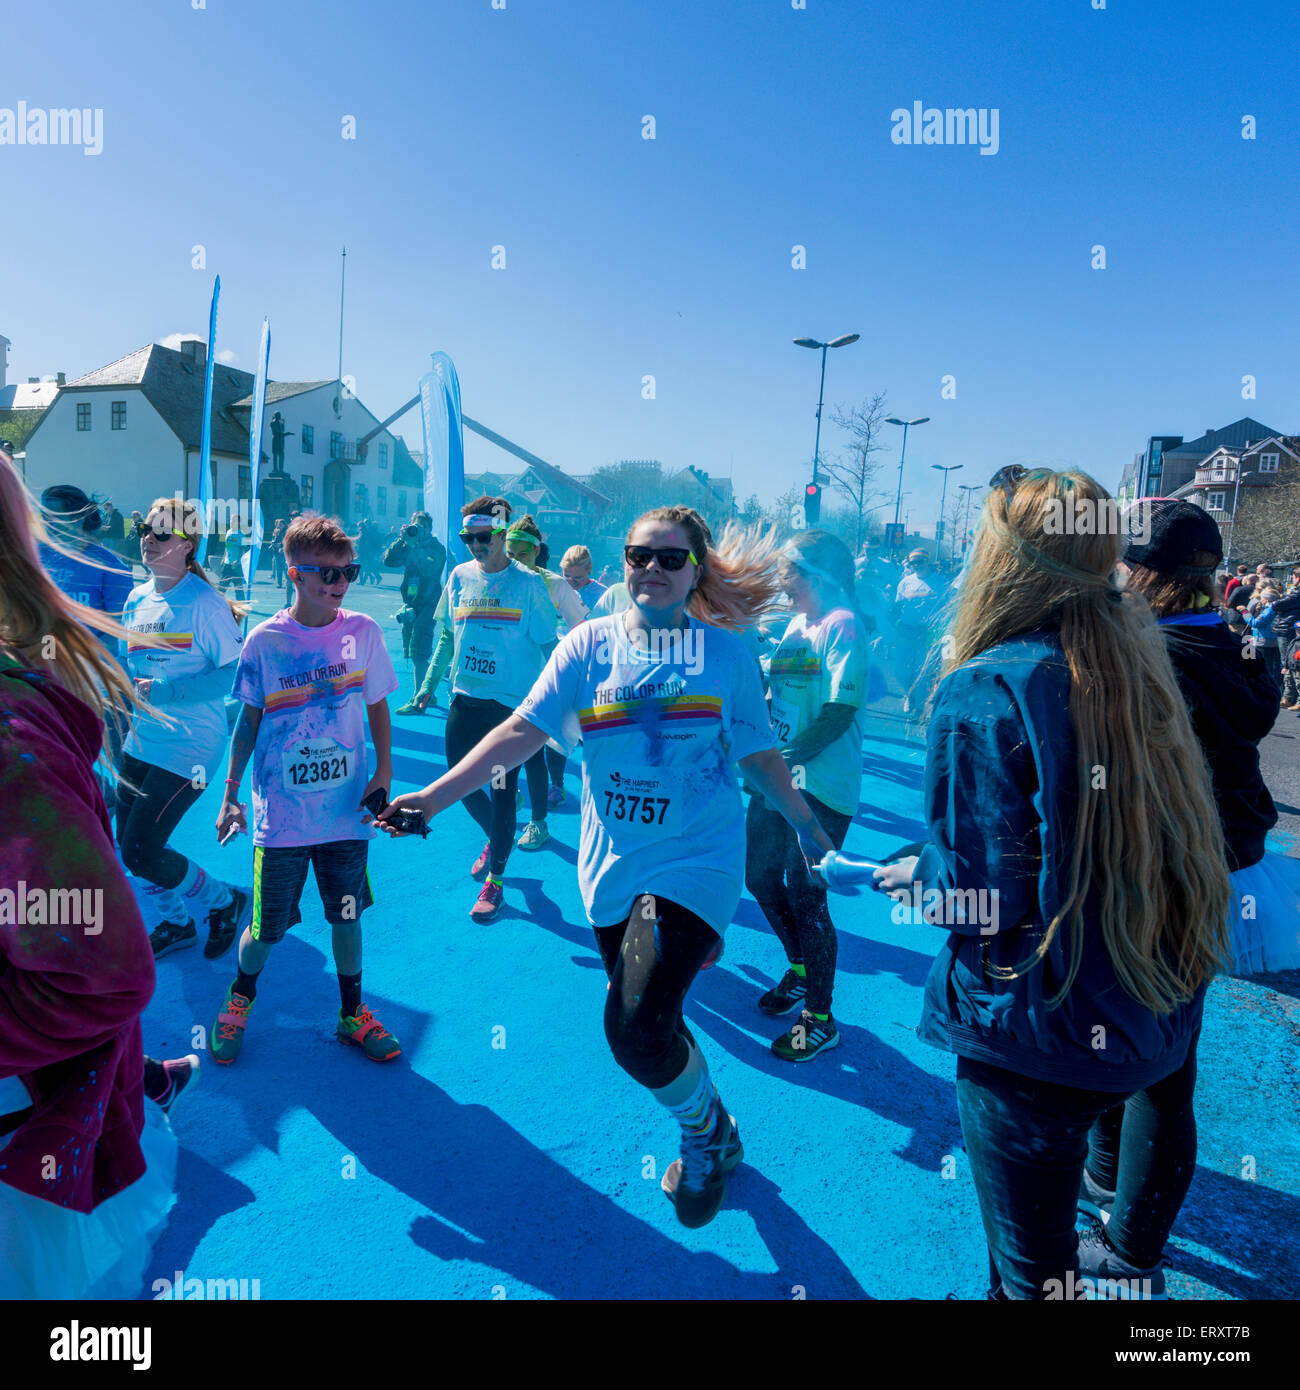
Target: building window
[[245, 482], [1268, 463], [336, 444], [382, 494], [401, 504], [360, 499], [383, 456], [119, 416], [83, 415], [309, 439], [308, 489], [1215, 502]]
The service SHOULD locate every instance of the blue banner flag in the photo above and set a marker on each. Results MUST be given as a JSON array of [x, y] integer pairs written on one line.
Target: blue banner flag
[[444, 454], [255, 452], [205, 452]]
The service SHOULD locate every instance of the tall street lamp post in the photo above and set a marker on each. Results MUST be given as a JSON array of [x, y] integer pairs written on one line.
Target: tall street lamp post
[[898, 504], [842, 341], [945, 469]]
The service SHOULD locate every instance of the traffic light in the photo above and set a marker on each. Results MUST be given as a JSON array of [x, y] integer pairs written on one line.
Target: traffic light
[[812, 504]]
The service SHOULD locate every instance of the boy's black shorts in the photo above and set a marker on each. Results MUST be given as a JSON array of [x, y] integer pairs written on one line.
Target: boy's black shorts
[[280, 872]]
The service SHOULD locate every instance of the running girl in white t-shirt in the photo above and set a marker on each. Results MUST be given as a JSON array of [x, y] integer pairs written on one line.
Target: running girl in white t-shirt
[[498, 624], [167, 764], [817, 683], [667, 702], [524, 544]]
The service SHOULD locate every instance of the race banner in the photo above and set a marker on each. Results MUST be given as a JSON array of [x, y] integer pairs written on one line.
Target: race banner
[[249, 560], [205, 451], [444, 453]]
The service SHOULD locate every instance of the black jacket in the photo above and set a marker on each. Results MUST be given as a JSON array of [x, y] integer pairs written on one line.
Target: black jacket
[[1286, 612], [1232, 702]]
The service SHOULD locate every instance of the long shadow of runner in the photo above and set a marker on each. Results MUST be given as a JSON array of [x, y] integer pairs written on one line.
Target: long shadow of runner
[[1253, 1225], [527, 1214], [204, 1194]]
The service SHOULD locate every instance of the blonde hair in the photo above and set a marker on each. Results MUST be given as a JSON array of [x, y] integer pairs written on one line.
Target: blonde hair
[[739, 577], [190, 524], [577, 555], [314, 532], [1151, 845], [33, 609]]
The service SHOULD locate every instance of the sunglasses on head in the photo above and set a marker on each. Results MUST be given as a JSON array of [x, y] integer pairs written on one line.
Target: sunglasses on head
[[672, 558], [331, 574], [477, 537], [1008, 479]]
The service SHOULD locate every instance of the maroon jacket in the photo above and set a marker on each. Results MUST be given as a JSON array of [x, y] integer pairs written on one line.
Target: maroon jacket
[[70, 1000]]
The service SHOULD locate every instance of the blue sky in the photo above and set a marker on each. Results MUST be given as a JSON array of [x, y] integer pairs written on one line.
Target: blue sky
[[628, 257]]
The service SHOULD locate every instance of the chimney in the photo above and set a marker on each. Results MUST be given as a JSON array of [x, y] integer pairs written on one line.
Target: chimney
[[196, 350], [60, 378]]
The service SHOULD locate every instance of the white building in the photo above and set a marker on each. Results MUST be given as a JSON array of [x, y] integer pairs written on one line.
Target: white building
[[132, 431]]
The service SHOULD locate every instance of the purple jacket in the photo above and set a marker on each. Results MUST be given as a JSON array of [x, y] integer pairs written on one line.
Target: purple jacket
[[70, 999]]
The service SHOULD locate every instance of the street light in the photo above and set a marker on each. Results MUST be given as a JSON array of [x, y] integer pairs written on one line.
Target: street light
[[898, 505], [967, 488], [945, 469], [1236, 493], [842, 341]]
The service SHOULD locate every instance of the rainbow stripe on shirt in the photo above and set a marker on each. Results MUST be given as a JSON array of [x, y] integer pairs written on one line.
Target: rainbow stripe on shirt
[[627, 714], [486, 612], [795, 665], [172, 641], [318, 692]]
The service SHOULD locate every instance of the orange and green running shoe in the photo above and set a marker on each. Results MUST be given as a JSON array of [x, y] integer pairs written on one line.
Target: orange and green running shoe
[[366, 1031], [226, 1036]]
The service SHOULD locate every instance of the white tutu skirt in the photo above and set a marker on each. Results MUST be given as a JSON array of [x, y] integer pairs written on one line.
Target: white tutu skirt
[[1264, 916], [48, 1252]]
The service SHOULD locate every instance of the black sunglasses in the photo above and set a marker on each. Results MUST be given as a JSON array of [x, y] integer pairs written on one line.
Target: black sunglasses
[[672, 559], [331, 574], [142, 528], [477, 537], [1008, 479]]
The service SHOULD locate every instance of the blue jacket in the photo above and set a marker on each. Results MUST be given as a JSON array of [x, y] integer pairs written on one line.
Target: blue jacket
[[100, 581], [1001, 802]]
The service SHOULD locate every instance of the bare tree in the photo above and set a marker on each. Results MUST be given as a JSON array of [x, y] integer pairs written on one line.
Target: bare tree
[[854, 471], [1267, 526]]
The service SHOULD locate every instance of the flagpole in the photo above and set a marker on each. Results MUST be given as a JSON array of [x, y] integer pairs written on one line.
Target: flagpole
[[343, 278]]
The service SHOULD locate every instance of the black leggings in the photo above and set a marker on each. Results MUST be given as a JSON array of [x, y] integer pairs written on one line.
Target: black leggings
[[1145, 1152], [469, 720], [776, 875], [651, 960], [544, 769], [150, 804]]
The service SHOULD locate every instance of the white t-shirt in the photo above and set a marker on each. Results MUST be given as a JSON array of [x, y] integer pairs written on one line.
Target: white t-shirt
[[202, 636], [661, 809], [500, 623], [614, 600], [312, 685], [564, 596], [816, 664]]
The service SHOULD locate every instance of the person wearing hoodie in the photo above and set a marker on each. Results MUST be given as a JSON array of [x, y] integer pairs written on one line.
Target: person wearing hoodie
[[1082, 882]]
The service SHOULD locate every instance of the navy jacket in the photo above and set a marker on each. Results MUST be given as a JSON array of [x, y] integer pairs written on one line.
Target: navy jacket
[[1001, 805]]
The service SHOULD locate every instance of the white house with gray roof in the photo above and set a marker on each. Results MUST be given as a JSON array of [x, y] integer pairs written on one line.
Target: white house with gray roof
[[132, 431]]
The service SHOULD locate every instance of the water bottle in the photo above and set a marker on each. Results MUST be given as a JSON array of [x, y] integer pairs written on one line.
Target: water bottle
[[845, 875]]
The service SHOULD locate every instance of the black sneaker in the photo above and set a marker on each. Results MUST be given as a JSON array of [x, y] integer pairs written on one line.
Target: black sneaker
[[806, 1039], [225, 923], [1111, 1276], [167, 937], [786, 997], [696, 1183], [181, 1072]]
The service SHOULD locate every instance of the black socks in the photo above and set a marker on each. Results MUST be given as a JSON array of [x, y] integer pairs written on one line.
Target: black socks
[[246, 984], [350, 994]]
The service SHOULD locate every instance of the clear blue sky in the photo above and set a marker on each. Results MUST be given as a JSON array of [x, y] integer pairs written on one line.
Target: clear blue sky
[[671, 257]]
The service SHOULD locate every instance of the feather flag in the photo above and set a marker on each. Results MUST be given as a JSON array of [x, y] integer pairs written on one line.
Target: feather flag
[[255, 452], [205, 451], [444, 453]]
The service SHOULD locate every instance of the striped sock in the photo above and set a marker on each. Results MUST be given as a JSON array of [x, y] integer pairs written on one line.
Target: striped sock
[[692, 1098], [201, 891]]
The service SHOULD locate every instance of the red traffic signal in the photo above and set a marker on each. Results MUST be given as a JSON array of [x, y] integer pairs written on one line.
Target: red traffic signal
[[812, 503]]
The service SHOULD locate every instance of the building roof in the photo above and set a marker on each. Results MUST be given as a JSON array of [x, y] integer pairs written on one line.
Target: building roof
[[1234, 436], [281, 391], [28, 395], [173, 383]]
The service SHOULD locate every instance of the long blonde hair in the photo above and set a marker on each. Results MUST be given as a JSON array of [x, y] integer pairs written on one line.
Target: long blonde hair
[[1149, 841], [739, 576], [191, 523], [44, 628]]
